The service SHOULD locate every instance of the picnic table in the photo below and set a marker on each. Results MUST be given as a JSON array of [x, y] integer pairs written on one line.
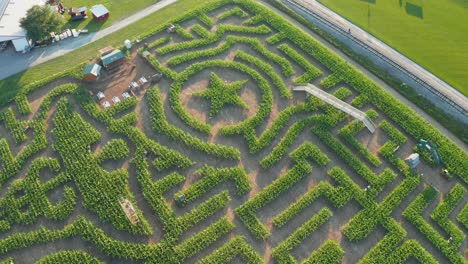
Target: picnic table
[[106, 104]]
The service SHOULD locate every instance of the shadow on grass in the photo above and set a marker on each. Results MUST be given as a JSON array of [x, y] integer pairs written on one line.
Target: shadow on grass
[[89, 23], [414, 10]]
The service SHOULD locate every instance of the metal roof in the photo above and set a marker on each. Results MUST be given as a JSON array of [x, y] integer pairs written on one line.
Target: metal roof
[[94, 69], [111, 57], [11, 11], [99, 10]]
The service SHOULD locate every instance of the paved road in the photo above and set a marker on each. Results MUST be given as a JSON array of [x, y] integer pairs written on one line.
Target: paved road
[[392, 91], [354, 31], [12, 62]]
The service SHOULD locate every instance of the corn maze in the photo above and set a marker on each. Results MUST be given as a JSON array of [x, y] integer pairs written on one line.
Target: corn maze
[[224, 163]]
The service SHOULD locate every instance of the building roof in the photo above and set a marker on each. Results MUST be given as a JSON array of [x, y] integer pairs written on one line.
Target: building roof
[[106, 50], [11, 11], [93, 69], [99, 10], [111, 57]]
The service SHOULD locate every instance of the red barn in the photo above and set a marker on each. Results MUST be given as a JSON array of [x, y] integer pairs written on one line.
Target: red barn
[[100, 12]]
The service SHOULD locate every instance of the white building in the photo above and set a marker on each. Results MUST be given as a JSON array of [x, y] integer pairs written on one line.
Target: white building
[[11, 11]]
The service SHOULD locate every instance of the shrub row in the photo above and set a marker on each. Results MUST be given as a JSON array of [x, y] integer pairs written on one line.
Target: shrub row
[[331, 80], [329, 252], [202, 211], [454, 158], [158, 42], [21, 99], [463, 216], [267, 69], [395, 135], [235, 247], [311, 72], [161, 124], [246, 211], [281, 252], [443, 210], [349, 131], [362, 224], [204, 238], [219, 94], [292, 133], [114, 149], [203, 17], [100, 189], [295, 208], [359, 101], [286, 67], [339, 195], [276, 38], [231, 12], [251, 122], [182, 32], [14, 125], [361, 169], [413, 214], [256, 144], [34, 203], [212, 177], [69, 256], [222, 29], [254, 20], [201, 31], [166, 158], [153, 191], [13, 164], [298, 127], [411, 248]]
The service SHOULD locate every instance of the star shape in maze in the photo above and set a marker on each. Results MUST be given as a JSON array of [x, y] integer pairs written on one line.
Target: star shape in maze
[[221, 93]]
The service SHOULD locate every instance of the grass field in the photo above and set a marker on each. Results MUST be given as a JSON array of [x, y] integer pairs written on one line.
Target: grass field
[[118, 9], [432, 33]]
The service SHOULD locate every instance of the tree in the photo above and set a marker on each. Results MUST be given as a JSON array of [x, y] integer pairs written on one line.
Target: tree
[[40, 21]]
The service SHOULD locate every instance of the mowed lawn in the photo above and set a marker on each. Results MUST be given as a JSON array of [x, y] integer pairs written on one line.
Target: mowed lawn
[[432, 33], [118, 9]]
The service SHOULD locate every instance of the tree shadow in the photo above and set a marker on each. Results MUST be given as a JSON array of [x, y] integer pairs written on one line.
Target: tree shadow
[[414, 10]]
